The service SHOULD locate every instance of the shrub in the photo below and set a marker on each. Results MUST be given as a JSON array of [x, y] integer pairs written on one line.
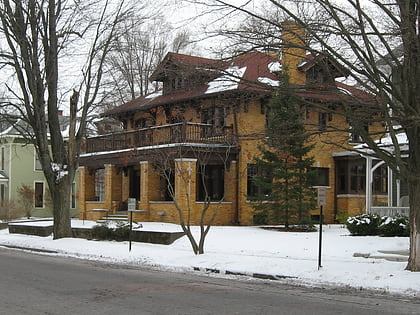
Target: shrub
[[395, 226], [102, 232], [364, 224], [121, 232]]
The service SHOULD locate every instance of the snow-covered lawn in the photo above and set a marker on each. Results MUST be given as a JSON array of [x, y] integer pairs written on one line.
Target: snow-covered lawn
[[251, 250]]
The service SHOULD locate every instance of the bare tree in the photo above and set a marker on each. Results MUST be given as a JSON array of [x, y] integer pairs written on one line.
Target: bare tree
[[377, 43], [38, 35], [189, 210], [135, 54]]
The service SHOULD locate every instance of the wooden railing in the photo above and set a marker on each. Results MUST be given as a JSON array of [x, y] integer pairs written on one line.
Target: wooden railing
[[390, 211], [186, 132]]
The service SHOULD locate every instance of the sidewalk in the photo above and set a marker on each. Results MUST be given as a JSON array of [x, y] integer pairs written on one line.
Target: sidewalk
[[291, 257]]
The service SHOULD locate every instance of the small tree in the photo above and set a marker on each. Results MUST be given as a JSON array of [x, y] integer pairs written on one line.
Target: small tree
[[185, 203], [26, 198], [286, 162]]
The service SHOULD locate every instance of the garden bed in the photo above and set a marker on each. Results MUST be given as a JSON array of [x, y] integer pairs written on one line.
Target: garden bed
[[45, 228]]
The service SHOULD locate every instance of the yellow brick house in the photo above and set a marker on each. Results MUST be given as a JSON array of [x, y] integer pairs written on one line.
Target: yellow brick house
[[213, 112]]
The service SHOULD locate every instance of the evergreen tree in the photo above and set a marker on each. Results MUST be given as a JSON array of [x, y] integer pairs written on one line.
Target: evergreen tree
[[284, 176]]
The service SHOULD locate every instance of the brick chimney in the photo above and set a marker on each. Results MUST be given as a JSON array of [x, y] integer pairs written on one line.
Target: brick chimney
[[293, 51]]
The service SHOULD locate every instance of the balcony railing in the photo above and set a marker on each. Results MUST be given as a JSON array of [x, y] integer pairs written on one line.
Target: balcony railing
[[186, 132], [390, 211]]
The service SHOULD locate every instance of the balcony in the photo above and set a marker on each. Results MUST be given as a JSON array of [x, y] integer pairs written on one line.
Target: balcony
[[185, 132]]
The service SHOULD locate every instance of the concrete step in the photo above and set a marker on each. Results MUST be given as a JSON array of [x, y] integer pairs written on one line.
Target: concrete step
[[113, 218], [399, 256]]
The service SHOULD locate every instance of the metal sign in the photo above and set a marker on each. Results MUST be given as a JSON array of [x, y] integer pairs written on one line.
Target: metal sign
[[132, 202], [322, 196]]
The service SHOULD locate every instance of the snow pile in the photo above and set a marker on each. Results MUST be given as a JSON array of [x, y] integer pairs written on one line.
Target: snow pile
[[248, 250]]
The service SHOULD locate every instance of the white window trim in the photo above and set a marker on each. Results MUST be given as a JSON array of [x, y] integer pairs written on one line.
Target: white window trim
[[35, 159]]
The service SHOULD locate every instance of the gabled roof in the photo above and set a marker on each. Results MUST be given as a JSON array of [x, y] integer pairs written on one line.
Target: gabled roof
[[185, 61], [254, 72], [16, 127], [312, 60], [246, 72]]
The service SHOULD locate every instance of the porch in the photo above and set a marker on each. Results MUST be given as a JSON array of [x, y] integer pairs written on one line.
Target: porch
[[185, 132]]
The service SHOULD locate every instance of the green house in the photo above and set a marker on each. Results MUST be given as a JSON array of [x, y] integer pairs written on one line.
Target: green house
[[23, 188]]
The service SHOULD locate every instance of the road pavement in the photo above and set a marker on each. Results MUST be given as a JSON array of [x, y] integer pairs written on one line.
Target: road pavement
[[43, 284]]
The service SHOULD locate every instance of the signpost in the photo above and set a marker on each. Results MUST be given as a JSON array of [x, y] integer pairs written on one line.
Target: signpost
[[322, 200], [132, 203]]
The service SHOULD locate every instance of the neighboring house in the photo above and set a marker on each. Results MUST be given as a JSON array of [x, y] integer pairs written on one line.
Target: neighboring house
[[397, 191], [217, 108], [20, 168]]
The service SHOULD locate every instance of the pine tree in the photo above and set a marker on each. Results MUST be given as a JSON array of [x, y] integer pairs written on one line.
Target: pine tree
[[285, 177]]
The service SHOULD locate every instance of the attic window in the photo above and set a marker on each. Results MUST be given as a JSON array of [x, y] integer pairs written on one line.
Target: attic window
[[322, 121]]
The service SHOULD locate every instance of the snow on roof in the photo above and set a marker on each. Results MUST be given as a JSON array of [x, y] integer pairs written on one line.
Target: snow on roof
[[269, 81], [3, 177], [154, 94], [275, 66], [229, 81], [386, 143], [6, 131]]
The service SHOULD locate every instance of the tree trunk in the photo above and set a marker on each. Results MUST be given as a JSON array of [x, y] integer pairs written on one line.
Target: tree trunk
[[413, 178], [61, 204], [414, 258]]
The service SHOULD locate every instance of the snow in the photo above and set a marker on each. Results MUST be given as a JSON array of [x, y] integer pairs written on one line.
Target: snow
[[248, 250], [269, 81], [155, 94], [275, 67], [230, 81]]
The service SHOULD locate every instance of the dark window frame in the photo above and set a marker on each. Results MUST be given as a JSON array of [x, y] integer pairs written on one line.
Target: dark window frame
[[322, 176], [39, 194], [252, 189], [213, 182]]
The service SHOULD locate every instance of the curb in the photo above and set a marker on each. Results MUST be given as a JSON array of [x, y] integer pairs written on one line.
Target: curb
[[38, 250], [236, 273]]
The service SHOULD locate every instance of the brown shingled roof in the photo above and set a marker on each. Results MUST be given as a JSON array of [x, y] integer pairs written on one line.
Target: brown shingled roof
[[257, 66]]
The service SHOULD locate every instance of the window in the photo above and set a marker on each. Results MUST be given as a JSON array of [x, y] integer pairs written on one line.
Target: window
[[380, 180], [38, 166], [73, 196], [39, 195], [355, 136], [351, 176], [322, 121], [321, 176], [211, 183], [100, 185], [167, 184], [2, 162], [2, 194], [254, 190], [357, 178]]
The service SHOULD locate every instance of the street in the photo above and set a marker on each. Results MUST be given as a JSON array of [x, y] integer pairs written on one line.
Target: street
[[40, 284]]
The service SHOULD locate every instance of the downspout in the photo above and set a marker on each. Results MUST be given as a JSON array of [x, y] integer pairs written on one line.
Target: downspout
[[235, 134]]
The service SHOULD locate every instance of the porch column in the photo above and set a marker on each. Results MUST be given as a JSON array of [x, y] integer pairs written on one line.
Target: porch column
[[185, 182], [231, 189], [144, 185], [82, 191], [113, 187], [368, 182], [125, 185], [390, 188]]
